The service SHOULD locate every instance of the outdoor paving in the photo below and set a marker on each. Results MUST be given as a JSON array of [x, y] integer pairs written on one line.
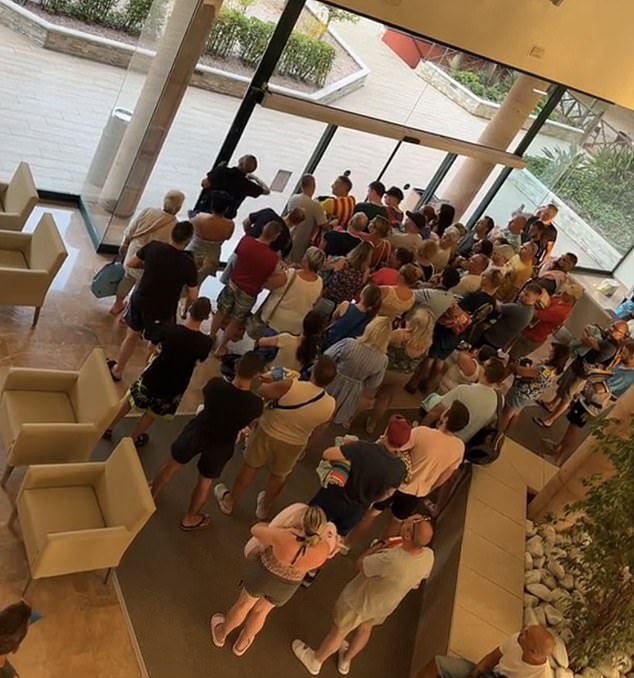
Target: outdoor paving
[[56, 105]]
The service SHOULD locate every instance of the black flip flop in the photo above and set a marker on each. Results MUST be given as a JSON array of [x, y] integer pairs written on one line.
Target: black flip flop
[[142, 440], [540, 422], [204, 521], [111, 364], [107, 434]]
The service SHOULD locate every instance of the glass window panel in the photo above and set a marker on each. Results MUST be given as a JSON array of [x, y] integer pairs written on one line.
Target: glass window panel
[[589, 176]]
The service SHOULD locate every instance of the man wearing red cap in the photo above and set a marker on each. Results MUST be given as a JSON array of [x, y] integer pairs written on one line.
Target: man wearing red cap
[[376, 470]]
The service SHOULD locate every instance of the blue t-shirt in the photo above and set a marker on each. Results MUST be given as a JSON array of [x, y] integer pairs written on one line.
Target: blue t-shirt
[[620, 381]]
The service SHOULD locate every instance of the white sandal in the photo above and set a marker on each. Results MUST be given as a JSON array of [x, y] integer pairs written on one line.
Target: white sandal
[[214, 623]]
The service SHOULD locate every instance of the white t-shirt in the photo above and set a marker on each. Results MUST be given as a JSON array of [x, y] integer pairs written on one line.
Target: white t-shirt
[[512, 665], [480, 400], [433, 454], [287, 345], [409, 241], [298, 297], [469, 283], [386, 578]]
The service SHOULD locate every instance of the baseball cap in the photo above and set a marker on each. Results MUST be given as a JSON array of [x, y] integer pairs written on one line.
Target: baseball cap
[[395, 192], [398, 431], [418, 218]]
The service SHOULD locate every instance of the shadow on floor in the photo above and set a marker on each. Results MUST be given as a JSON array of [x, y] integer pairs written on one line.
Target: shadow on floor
[[528, 434]]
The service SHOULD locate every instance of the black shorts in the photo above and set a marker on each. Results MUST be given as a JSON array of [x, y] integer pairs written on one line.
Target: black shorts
[[402, 505], [192, 442], [140, 320], [578, 415], [338, 508]]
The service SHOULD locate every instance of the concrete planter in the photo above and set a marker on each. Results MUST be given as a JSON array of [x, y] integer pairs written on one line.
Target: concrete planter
[[462, 96], [104, 50]]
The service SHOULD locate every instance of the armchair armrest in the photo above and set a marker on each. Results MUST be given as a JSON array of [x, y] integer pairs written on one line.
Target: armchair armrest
[[80, 551], [32, 379], [61, 475], [53, 443], [14, 240]]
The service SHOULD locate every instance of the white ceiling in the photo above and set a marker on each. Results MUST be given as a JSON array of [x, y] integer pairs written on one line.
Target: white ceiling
[[587, 44]]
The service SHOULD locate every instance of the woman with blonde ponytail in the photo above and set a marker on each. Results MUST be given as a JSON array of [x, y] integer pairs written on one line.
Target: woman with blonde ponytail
[[408, 346], [279, 554]]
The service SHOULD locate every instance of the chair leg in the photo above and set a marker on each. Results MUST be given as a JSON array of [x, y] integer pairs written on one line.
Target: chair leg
[[106, 579], [29, 581], [8, 470], [36, 315]]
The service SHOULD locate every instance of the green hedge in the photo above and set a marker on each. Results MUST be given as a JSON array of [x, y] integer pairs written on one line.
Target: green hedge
[[233, 34], [246, 38], [476, 83]]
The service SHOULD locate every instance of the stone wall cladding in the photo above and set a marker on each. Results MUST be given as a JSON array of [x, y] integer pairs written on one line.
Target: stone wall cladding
[[462, 96]]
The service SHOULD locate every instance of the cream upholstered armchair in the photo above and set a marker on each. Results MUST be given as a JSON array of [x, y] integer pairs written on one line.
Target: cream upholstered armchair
[[53, 416], [29, 263], [82, 517], [17, 199]]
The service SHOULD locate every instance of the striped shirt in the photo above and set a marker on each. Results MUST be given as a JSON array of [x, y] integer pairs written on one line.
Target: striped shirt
[[340, 208]]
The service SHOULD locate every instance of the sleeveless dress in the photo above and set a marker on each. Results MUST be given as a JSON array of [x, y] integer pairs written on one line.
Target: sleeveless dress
[[352, 324], [393, 306], [359, 368]]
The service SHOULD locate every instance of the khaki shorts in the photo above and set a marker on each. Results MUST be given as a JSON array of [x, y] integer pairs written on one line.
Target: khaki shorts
[[347, 620], [278, 457]]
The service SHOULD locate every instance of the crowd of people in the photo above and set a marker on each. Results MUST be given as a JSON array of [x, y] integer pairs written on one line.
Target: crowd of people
[[364, 301]]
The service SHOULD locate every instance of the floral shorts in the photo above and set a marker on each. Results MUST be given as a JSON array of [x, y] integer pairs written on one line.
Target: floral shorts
[[141, 398]]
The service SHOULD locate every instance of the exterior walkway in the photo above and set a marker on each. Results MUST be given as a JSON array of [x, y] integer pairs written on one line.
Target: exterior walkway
[[57, 106]]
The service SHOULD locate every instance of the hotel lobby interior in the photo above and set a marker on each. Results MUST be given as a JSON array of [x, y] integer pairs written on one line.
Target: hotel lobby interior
[[385, 117]]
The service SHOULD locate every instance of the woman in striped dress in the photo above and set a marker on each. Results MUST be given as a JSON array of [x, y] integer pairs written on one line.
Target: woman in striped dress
[[361, 365]]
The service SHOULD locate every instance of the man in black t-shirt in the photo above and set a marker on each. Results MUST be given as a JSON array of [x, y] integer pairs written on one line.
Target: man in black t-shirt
[[376, 471], [256, 221], [239, 182], [159, 389], [167, 268], [340, 243], [211, 435], [548, 233]]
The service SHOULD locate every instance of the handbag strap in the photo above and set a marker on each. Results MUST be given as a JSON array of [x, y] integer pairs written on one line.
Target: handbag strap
[[276, 405], [293, 276]]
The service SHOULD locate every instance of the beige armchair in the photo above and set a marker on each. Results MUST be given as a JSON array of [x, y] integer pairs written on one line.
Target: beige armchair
[[82, 517], [29, 263], [17, 199], [54, 417]]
